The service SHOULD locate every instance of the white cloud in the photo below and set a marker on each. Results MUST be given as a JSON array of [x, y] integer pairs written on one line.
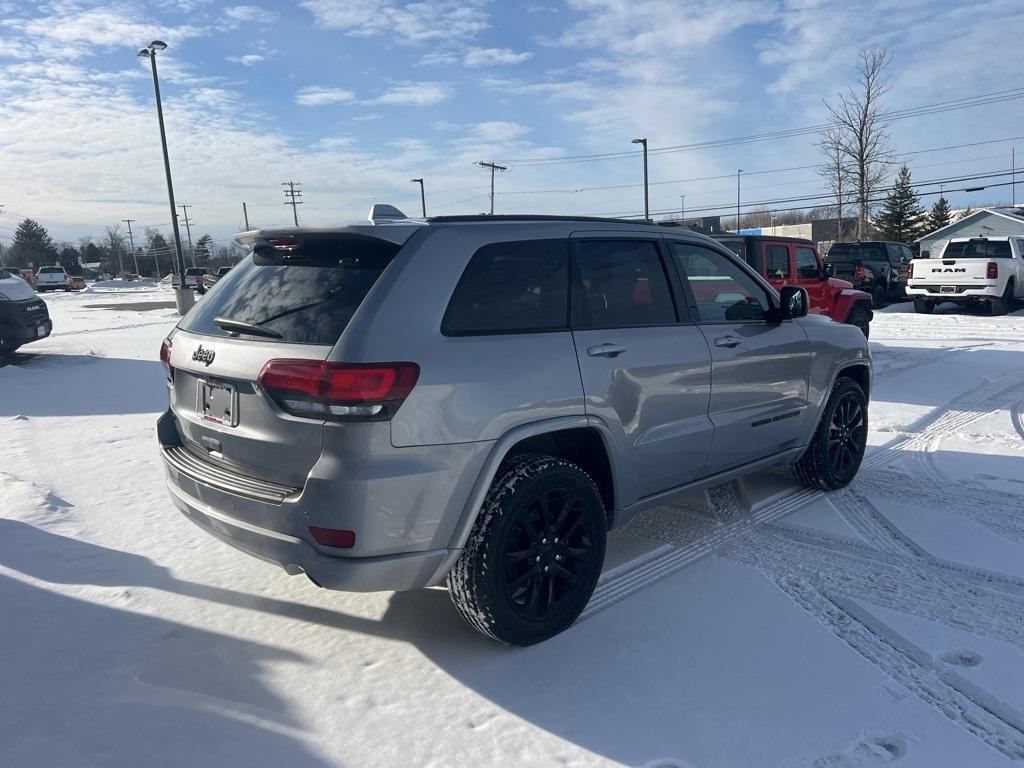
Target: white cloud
[[251, 14], [104, 27], [496, 130], [316, 96], [489, 57], [413, 95], [422, 21], [247, 60]]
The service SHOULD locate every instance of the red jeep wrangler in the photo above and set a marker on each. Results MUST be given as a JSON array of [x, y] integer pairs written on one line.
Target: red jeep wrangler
[[794, 261]]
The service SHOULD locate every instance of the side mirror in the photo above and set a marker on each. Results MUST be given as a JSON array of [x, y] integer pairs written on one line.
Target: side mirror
[[793, 302], [925, 255], [829, 269]]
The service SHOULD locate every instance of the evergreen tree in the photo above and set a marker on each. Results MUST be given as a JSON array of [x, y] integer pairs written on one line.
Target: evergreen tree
[[940, 215], [69, 260], [202, 249], [32, 245], [902, 214], [965, 213]]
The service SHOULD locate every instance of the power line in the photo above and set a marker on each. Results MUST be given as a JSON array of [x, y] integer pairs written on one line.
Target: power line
[[902, 114], [293, 197]]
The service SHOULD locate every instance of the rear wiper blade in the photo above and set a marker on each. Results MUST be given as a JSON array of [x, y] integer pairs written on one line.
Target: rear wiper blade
[[240, 326]]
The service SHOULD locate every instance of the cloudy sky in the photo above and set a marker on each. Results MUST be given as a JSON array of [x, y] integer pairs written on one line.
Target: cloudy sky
[[355, 97]]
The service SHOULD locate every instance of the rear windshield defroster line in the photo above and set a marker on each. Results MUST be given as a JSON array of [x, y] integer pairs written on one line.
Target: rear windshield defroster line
[[306, 295]]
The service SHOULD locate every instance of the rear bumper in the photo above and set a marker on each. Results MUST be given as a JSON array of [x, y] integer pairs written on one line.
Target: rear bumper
[[962, 292], [404, 522], [295, 555]]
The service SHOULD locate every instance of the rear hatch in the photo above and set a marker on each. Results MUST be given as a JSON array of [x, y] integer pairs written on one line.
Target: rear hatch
[[964, 264], [845, 258], [291, 299]]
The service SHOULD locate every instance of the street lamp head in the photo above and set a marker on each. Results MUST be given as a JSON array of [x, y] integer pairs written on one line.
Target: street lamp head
[[157, 45], [416, 181], [144, 53], [639, 141]]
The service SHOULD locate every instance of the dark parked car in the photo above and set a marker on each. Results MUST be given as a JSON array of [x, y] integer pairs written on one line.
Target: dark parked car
[[878, 267], [23, 315]]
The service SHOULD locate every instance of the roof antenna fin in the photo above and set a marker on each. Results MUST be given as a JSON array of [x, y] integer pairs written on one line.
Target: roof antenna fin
[[380, 213]]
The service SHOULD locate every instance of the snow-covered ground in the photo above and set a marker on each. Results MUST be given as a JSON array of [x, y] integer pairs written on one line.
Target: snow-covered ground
[[759, 625]]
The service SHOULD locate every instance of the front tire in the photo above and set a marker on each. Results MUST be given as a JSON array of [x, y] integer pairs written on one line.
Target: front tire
[[837, 448], [535, 552], [859, 317], [923, 307]]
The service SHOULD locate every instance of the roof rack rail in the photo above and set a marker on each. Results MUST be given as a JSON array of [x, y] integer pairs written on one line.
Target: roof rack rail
[[528, 217]]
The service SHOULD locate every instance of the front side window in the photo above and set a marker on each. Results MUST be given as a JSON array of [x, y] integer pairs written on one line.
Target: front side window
[[621, 284], [511, 287], [807, 264], [777, 261], [723, 292]]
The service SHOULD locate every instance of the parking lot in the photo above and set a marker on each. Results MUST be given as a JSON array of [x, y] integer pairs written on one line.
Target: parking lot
[[757, 624]]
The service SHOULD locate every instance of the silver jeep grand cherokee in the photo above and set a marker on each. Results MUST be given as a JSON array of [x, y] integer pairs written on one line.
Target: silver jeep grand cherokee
[[478, 400]]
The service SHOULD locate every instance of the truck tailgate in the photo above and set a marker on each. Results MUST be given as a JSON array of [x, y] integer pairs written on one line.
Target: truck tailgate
[[951, 272]]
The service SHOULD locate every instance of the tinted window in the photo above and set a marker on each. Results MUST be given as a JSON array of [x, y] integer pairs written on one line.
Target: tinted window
[[978, 249], [621, 283], [51, 270], [855, 252], [307, 296], [777, 261], [520, 286], [907, 254], [722, 290], [807, 263]]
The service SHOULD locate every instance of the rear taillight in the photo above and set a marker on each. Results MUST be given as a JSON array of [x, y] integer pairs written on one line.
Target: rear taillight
[[333, 537], [858, 272], [341, 391], [910, 270], [993, 271], [165, 358]]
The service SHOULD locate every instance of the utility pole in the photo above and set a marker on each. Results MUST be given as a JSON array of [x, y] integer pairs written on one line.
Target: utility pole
[[423, 195], [682, 207], [647, 206], [493, 168], [293, 197], [245, 215], [738, 199], [131, 240], [188, 231], [1013, 177]]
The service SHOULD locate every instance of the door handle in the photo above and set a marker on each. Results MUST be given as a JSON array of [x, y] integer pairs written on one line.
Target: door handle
[[605, 350], [727, 341]]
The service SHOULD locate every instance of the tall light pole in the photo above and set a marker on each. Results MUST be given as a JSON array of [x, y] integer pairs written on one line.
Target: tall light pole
[[682, 207], [423, 195], [647, 206], [738, 199], [183, 297]]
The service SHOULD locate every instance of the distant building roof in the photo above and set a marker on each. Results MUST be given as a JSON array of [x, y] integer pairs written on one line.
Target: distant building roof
[[1016, 214]]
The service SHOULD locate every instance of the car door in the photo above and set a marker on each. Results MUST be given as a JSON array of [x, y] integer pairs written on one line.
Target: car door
[[645, 367], [810, 277], [759, 369]]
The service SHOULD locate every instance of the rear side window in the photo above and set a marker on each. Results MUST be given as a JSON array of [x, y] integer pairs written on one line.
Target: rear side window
[[307, 296], [852, 252], [621, 284], [512, 287], [807, 264], [978, 249], [777, 261]]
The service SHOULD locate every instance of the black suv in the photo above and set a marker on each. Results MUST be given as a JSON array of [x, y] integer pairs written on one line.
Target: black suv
[[875, 266]]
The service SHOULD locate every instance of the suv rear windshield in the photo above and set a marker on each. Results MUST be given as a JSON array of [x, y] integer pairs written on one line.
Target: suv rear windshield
[[307, 296], [855, 252], [51, 270], [978, 249]]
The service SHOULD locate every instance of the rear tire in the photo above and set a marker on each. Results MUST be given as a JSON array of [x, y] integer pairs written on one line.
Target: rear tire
[[1001, 305], [837, 448], [859, 317], [535, 552], [878, 296], [923, 307]]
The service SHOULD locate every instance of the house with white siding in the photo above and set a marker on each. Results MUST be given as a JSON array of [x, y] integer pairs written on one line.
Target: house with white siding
[[985, 222]]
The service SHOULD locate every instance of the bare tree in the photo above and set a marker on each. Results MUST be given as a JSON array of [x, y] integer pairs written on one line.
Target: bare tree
[[859, 129], [836, 171], [117, 245]]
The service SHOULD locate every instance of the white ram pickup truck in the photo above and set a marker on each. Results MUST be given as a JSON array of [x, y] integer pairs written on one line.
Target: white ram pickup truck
[[970, 270]]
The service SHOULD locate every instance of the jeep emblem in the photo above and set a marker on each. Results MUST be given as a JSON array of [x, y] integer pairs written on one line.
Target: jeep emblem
[[204, 356]]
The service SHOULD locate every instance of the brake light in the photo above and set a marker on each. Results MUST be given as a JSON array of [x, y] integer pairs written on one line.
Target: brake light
[[342, 391], [165, 358], [858, 272], [910, 270], [993, 271]]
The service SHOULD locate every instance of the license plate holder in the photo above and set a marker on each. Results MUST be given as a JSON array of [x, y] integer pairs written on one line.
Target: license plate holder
[[217, 401], [947, 289]]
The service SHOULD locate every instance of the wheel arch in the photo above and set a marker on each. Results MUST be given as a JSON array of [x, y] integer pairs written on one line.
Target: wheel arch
[[860, 372], [580, 440]]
